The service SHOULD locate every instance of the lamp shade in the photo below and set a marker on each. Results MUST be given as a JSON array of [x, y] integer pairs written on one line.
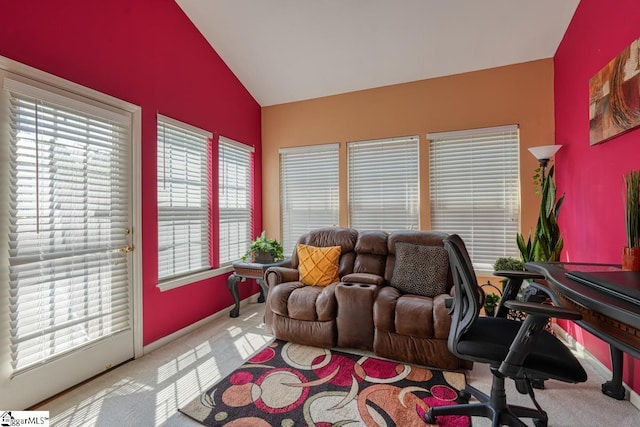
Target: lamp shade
[[544, 152]]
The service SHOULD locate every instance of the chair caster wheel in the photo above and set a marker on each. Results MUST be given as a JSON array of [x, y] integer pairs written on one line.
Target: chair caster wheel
[[539, 422], [430, 419], [465, 395]]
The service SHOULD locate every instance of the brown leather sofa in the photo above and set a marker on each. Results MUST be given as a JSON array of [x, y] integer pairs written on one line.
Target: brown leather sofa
[[363, 310]]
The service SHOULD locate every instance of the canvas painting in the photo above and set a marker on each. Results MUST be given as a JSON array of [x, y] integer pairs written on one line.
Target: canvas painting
[[614, 96]]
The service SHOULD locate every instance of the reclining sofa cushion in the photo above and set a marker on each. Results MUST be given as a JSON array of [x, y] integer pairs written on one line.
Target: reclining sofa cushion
[[370, 260], [318, 266], [420, 269]]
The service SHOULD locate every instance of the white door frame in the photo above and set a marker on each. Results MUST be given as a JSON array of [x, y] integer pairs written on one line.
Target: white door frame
[[38, 76]]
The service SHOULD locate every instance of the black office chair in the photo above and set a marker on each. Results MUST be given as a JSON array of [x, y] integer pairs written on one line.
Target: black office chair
[[513, 349]]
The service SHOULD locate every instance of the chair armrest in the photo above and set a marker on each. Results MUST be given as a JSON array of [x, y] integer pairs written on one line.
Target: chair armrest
[[512, 287], [543, 310], [517, 274], [534, 323], [276, 275]]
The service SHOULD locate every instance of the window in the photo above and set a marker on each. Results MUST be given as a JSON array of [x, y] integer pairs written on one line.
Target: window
[[235, 178], [384, 184], [475, 190], [309, 190], [183, 199]]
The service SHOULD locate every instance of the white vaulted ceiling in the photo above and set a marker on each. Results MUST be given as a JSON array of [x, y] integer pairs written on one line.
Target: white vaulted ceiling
[[290, 50]]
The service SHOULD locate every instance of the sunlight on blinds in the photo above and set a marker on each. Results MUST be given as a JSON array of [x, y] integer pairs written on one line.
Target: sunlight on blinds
[[384, 184], [475, 193], [236, 216], [183, 199], [68, 222], [309, 191]]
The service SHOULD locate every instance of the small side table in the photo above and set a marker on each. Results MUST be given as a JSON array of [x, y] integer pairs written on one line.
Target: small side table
[[249, 270]]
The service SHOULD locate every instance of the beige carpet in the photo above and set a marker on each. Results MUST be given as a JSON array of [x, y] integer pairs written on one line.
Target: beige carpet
[[149, 391]]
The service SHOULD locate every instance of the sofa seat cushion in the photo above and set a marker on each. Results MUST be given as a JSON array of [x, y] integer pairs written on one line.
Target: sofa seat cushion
[[411, 315], [296, 300]]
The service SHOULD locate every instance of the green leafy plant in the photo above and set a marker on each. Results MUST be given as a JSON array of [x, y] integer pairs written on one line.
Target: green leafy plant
[[632, 208], [527, 249], [546, 243], [490, 303], [262, 245], [508, 264]]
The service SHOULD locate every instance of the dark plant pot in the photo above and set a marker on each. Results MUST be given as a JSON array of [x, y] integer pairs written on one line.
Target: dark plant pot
[[631, 259], [489, 311], [263, 258]]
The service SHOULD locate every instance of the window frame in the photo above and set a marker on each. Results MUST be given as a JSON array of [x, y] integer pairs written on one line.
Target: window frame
[[186, 278], [250, 152], [309, 154], [509, 196], [375, 164]]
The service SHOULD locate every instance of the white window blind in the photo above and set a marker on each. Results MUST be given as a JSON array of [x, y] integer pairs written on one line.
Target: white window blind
[[475, 190], [309, 191], [236, 215], [384, 184], [68, 278], [183, 199]]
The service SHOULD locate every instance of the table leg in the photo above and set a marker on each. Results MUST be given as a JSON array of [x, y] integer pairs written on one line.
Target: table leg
[[614, 387], [232, 284], [264, 290]]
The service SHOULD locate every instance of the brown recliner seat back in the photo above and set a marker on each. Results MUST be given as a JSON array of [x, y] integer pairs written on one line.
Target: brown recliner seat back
[[371, 252], [332, 236]]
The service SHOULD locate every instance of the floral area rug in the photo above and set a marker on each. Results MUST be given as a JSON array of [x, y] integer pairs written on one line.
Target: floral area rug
[[289, 385]]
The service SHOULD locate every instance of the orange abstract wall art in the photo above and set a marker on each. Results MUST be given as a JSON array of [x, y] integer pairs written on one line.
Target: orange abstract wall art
[[614, 96]]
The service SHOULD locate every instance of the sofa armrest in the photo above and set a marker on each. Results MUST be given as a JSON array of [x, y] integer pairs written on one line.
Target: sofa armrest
[[367, 278], [276, 275]]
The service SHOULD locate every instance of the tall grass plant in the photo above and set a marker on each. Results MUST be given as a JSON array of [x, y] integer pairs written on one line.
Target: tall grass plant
[[632, 208]]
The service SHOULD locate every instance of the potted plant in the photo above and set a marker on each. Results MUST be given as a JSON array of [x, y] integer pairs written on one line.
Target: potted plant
[[490, 303], [631, 253], [547, 242], [508, 264], [263, 250]]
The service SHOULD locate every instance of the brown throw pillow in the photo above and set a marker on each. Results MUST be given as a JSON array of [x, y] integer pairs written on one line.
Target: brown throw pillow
[[420, 270]]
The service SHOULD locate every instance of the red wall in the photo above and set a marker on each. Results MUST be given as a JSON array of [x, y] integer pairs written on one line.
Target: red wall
[[146, 52], [592, 217]]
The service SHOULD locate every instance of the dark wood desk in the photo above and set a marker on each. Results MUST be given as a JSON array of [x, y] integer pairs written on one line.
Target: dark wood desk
[[249, 270], [612, 319]]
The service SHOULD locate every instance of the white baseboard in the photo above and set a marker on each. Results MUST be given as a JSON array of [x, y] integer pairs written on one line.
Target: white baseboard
[[192, 327], [634, 398]]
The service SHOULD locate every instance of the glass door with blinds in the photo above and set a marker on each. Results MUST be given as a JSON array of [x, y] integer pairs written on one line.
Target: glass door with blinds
[[66, 216]]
